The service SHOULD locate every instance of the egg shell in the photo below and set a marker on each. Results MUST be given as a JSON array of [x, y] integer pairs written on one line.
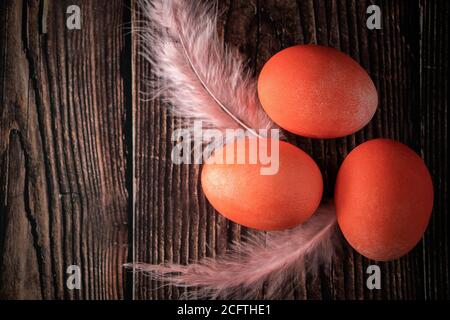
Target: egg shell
[[317, 92], [383, 198], [265, 202]]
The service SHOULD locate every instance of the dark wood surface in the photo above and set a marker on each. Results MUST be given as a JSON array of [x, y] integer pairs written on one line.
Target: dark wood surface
[[64, 199], [86, 176]]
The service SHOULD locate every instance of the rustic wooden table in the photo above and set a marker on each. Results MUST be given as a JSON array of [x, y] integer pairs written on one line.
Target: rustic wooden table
[[86, 177]]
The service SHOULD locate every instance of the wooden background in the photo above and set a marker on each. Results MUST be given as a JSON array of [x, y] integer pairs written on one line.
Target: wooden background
[[79, 151]]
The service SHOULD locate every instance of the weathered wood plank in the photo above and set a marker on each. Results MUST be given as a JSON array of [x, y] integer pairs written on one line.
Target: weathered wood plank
[[62, 154], [432, 141], [175, 222]]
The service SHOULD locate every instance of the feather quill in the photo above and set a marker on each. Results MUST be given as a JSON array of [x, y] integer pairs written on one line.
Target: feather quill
[[202, 79]]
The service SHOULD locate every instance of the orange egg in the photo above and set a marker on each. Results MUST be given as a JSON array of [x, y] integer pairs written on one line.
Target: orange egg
[[384, 199], [317, 92], [266, 202]]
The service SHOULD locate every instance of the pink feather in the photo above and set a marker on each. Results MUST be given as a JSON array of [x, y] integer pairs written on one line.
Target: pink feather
[[263, 259], [204, 80]]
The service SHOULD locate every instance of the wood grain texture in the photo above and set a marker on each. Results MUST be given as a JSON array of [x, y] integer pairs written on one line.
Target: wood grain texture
[[63, 195], [86, 175], [406, 60], [432, 140]]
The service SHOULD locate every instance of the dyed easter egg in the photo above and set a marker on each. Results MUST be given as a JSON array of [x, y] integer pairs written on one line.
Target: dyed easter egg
[[288, 193], [317, 92], [383, 198]]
